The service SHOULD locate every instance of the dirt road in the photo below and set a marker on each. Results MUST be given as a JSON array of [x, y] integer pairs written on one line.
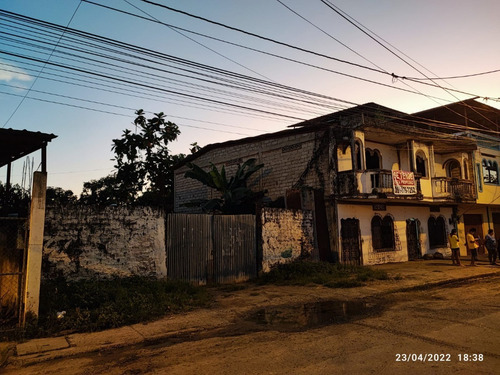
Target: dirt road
[[452, 329]]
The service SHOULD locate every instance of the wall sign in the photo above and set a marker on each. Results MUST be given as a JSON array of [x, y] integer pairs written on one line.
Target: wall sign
[[404, 183]]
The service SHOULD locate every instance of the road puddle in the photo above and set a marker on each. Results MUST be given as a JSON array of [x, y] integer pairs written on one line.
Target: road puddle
[[310, 315]]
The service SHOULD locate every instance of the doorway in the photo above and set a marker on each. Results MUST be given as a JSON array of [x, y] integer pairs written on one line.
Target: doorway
[[351, 241], [412, 239]]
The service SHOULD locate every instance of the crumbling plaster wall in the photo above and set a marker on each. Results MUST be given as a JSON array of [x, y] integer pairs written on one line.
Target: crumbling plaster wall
[[85, 242], [286, 235]]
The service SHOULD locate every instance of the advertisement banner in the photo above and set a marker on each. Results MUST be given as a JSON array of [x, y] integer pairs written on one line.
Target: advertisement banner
[[404, 183]]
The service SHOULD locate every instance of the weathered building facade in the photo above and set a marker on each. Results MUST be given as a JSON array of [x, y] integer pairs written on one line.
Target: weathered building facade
[[383, 187]]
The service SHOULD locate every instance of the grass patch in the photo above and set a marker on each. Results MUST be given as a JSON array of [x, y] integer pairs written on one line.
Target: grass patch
[[321, 273], [102, 304]]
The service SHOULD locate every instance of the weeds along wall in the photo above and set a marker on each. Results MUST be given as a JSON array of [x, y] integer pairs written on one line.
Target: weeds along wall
[[87, 242]]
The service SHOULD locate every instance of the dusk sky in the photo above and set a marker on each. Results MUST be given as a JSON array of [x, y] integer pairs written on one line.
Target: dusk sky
[[85, 92]]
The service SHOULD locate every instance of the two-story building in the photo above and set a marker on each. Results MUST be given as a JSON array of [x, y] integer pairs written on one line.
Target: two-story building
[[480, 122], [384, 186]]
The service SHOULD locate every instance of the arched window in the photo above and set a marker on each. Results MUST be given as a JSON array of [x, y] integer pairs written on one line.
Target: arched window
[[437, 231], [453, 169], [373, 159], [382, 233], [357, 155], [490, 172], [421, 163]]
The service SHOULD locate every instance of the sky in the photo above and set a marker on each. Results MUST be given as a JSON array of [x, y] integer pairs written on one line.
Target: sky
[[214, 81]]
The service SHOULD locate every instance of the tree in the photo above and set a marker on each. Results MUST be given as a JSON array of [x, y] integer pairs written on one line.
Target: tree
[[104, 192], [143, 161], [59, 196], [235, 195], [14, 200]]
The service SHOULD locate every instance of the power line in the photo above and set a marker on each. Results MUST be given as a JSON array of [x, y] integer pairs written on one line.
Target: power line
[[344, 15], [34, 81]]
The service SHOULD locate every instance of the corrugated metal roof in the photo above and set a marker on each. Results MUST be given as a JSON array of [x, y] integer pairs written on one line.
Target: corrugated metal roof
[[15, 144]]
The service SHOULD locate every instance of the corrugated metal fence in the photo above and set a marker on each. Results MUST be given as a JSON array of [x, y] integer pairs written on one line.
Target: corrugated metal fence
[[211, 248]]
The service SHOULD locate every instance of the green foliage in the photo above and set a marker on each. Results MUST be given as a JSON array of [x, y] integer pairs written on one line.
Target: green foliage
[[14, 200], [59, 196], [236, 197], [143, 162], [106, 191], [103, 304], [337, 275]]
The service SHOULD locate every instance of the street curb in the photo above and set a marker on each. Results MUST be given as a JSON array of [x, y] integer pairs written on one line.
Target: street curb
[[73, 351]]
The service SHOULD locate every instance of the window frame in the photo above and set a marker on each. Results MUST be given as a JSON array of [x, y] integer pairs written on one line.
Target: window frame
[[489, 165], [382, 230], [436, 228]]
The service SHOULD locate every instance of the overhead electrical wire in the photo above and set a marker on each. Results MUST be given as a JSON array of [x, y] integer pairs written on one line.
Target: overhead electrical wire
[[201, 44], [301, 91], [34, 81], [349, 19], [284, 43], [228, 73]]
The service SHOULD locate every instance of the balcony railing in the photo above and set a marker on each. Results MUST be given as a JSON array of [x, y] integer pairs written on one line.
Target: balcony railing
[[375, 181], [445, 187]]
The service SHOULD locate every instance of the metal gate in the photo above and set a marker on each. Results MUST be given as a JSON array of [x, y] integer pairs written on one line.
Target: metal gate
[[211, 248], [412, 240], [351, 242], [13, 244]]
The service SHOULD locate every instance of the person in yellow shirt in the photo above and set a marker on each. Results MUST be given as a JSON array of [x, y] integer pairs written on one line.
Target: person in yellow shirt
[[455, 250], [472, 245]]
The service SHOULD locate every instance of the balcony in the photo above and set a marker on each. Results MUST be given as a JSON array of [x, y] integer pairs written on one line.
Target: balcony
[[453, 188], [369, 182]]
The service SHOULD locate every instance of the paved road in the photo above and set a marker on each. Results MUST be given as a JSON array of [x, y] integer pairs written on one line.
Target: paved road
[[452, 329]]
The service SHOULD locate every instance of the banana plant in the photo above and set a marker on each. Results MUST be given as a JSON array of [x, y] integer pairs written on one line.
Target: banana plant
[[235, 195]]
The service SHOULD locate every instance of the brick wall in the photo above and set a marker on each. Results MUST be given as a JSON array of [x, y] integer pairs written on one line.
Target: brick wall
[[286, 235], [285, 159], [85, 242]]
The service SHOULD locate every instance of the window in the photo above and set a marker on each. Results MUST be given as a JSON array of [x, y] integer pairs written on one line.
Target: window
[[490, 172], [453, 169], [421, 165], [373, 159], [357, 154], [437, 231], [382, 233]]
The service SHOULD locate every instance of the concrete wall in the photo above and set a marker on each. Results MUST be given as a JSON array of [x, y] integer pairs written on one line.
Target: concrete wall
[[84, 242], [286, 235]]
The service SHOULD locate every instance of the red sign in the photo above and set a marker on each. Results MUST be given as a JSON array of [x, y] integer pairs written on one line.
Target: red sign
[[404, 183]]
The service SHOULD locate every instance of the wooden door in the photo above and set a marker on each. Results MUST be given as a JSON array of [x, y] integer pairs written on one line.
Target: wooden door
[[412, 239], [351, 241]]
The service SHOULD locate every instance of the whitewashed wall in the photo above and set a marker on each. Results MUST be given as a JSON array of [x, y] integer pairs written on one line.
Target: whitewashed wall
[[86, 242], [400, 214]]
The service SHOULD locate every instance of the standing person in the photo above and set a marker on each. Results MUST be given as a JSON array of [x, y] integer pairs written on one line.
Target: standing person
[[491, 245], [455, 250], [472, 245]]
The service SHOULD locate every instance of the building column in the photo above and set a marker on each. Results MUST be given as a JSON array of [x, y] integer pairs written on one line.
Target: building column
[[35, 244]]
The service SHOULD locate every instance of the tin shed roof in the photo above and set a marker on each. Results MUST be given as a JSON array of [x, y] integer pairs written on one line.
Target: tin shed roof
[[15, 144]]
